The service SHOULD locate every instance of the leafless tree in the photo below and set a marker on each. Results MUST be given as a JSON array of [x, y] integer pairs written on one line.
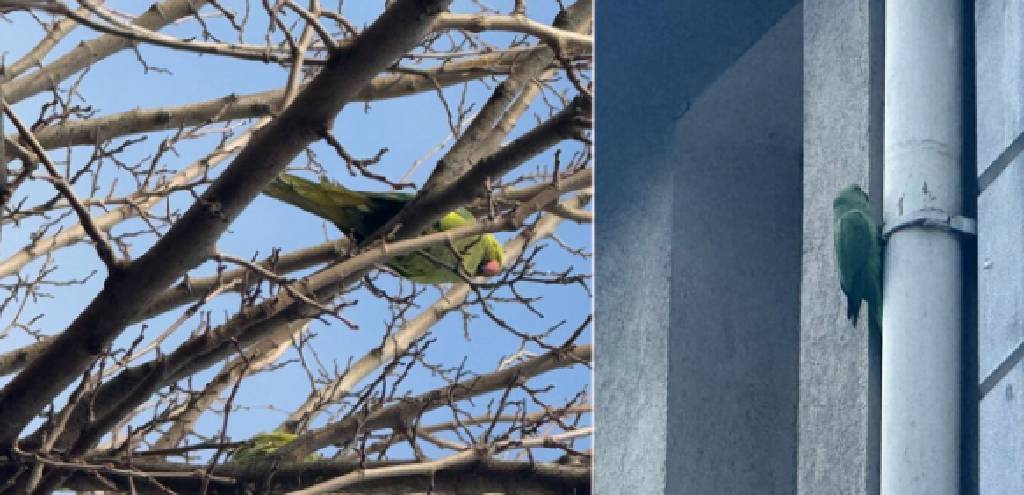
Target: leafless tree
[[139, 391]]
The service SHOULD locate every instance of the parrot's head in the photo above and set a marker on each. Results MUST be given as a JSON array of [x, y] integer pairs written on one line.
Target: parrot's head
[[491, 263], [850, 197]]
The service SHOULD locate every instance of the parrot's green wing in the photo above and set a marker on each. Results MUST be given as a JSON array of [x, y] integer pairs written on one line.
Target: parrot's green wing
[[853, 249], [439, 262], [858, 254]]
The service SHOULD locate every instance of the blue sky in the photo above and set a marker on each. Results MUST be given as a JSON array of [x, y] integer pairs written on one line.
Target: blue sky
[[409, 127]]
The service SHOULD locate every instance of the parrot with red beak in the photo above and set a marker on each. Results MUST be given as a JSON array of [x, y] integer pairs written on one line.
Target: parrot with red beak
[[361, 213]]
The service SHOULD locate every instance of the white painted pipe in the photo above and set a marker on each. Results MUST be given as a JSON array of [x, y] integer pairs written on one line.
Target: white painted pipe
[[921, 321]]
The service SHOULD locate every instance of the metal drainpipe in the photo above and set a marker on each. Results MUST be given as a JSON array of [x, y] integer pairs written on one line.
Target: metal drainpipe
[[922, 278]]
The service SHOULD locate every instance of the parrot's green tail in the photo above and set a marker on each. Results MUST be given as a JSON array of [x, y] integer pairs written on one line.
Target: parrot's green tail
[[349, 210], [357, 212], [324, 199]]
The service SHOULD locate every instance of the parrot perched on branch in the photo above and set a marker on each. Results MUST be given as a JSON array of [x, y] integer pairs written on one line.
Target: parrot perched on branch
[[858, 254], [263, 444], [360, 214]]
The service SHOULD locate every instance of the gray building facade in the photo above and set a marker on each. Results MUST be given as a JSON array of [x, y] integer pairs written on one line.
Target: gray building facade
[[725, 362]]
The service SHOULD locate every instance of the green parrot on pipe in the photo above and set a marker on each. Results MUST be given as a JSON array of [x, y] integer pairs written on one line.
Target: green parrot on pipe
[[360, 214], [858, 243]]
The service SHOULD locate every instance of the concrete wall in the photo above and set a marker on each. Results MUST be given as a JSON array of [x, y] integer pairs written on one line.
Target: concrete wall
[[734, 340], [839, 364], [664, 55], [698, 251], [633, 262], [1000, 117]]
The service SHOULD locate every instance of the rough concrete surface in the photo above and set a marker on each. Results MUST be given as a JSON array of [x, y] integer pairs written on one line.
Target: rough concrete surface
[[839, 372], [733, 347]]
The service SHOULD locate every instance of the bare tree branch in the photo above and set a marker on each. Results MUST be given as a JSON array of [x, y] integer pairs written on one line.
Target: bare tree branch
[[562, 41], [258, 163], [406, 417], [423, 468], [240, 279], [262, 356], [232, 107], [415, 328], [559, 39], [156, 17], [392, 416], [54, 34], [422, 210], [482, 136], [72, 235], [278, 315], [485, 476], [102, 246]]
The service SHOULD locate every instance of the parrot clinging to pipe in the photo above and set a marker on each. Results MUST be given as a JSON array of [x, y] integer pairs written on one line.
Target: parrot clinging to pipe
[[361, 213], [858, 254]]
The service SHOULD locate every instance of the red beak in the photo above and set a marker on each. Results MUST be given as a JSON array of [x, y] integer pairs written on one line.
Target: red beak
[[491, 268]]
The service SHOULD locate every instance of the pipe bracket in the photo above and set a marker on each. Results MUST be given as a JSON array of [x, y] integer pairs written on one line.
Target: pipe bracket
[[932, 218]]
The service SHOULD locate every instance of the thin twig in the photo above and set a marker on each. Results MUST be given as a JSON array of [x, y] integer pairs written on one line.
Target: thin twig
[[102, 246]]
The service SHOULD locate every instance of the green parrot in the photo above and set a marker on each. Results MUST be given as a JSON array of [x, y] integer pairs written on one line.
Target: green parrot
[[360, 213], [262, 444], [858, 254]]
